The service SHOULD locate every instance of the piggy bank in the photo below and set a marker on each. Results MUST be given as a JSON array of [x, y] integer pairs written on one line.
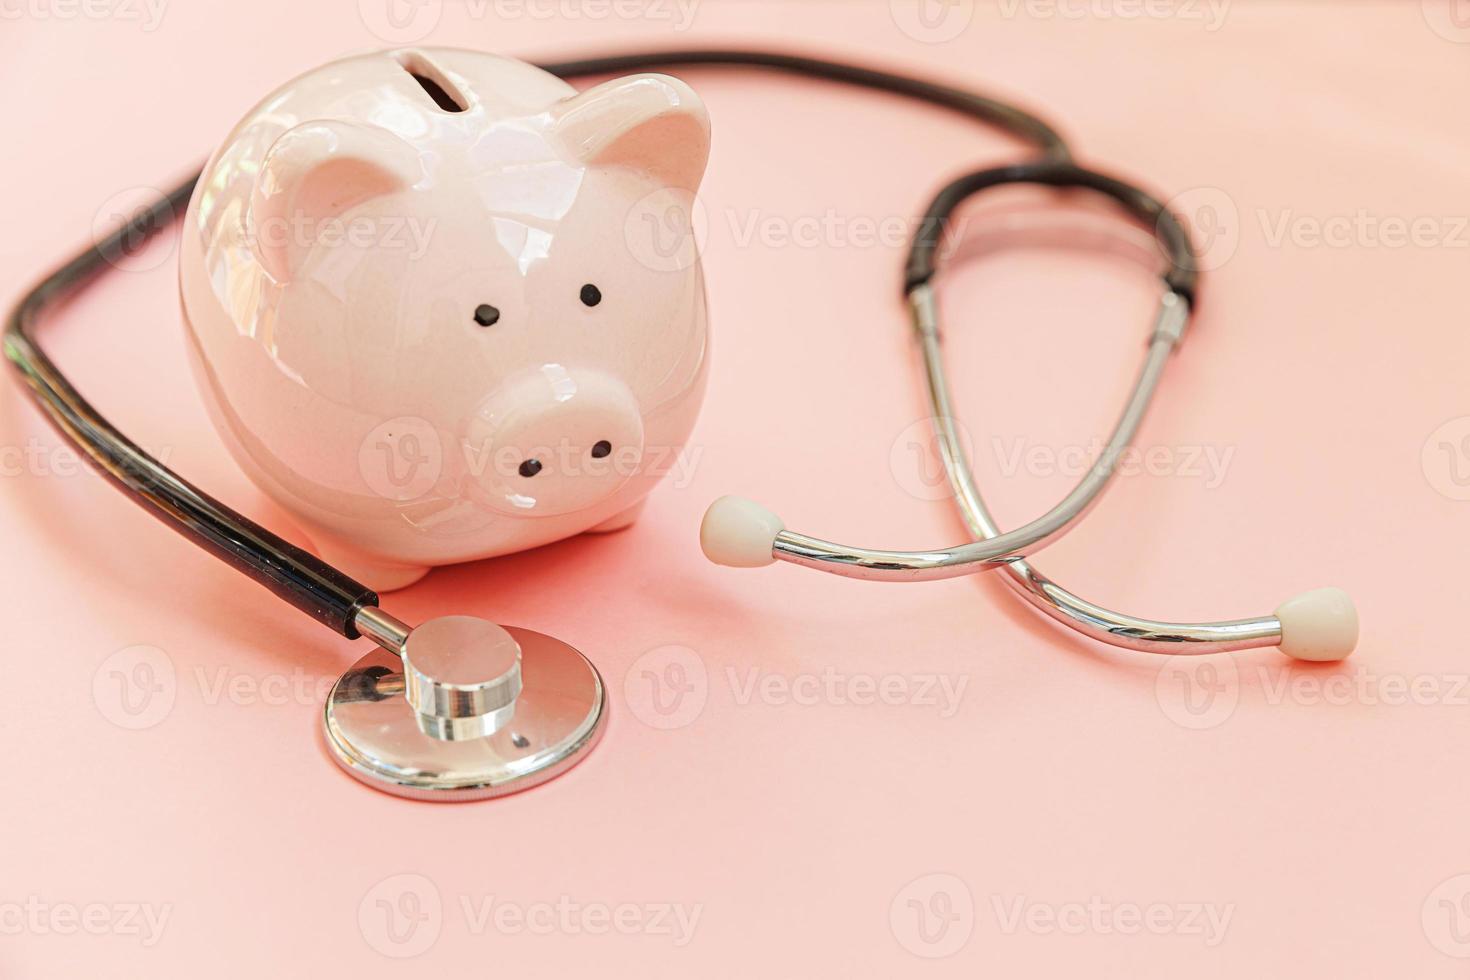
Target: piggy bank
[[443, 307]]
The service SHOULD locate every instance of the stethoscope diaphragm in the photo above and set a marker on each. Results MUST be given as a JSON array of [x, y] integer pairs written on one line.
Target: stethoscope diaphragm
[[376, 733]]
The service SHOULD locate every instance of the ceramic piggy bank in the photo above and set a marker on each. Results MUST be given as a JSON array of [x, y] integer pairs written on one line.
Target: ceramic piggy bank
[[440, 307]]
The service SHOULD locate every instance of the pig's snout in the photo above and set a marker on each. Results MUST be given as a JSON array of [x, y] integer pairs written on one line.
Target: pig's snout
[[555, 440]]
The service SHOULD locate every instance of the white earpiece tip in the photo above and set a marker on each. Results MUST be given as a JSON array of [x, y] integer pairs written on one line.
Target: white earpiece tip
[[739, 533], [1318, 625]]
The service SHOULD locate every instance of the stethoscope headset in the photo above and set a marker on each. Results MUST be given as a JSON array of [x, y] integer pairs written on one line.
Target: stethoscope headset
[[453, 709]]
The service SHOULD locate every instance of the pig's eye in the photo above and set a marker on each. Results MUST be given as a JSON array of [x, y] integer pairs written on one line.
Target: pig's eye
[[486, 315], [591, 295]]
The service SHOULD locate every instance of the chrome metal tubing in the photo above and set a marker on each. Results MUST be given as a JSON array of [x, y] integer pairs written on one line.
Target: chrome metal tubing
[[1089, 619], [386, 631], [995, 548]]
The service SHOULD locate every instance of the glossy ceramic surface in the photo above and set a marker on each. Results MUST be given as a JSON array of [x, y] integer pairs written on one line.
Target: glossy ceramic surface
[[443, 307]]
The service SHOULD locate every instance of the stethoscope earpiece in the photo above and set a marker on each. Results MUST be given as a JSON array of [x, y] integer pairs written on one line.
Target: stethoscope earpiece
[[739, 533], [1321, 625]]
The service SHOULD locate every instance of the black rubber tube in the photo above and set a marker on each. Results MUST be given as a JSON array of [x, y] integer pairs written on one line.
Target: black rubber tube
[[299, 577], [1137, 203], [993, 112], [1016, 121]]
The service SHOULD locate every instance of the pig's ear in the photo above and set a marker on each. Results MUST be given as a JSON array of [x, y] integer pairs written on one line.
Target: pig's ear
[[652, 123], [315, 172]]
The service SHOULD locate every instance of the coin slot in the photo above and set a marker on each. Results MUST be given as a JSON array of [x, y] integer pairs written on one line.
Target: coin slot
[[434, 82]]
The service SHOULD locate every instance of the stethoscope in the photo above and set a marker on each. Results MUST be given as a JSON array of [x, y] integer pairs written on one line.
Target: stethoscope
[[461, 708]]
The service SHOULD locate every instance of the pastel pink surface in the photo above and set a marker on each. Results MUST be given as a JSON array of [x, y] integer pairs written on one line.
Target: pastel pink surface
[[1324, 808]]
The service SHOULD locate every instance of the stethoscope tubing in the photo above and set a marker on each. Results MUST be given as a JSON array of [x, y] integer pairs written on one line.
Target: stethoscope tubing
[[294, 574], [1181, 276], [996, 548]]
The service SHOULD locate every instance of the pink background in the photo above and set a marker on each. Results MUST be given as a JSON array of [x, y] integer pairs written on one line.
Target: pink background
[[1326, 818]]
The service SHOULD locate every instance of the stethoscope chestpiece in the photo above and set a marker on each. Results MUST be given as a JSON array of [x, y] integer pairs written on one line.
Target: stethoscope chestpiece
[[467, 711], [461, 676]]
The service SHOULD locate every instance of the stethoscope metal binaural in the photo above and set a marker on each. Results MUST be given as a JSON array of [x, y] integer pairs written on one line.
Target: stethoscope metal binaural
[[1320, 625], [461, 708]]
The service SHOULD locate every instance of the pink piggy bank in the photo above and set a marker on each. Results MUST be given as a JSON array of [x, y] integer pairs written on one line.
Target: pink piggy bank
[[443, 307]]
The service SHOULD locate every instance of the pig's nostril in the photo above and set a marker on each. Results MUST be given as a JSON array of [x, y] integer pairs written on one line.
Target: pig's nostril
[[602, 449], [530, 468]]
